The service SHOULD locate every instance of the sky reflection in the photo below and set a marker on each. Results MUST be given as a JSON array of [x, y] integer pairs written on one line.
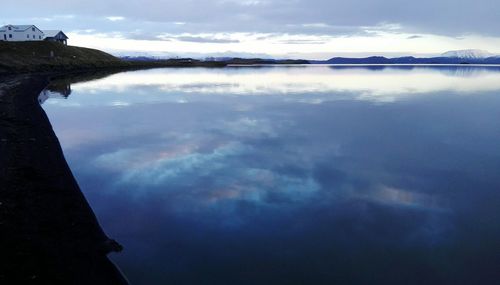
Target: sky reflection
[[313, 84], [231, 189]]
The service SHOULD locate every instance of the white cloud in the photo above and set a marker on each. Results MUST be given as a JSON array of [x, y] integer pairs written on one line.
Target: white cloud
[[244, 2], [115, 18], [316, 25]]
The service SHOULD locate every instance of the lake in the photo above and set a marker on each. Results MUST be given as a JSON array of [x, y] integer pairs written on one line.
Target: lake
[[291, 174]]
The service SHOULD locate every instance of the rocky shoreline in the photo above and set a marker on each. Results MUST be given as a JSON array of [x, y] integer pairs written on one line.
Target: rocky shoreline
[[50, 234]]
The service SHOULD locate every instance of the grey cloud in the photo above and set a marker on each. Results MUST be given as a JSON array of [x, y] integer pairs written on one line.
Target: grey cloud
[[302, 42], [204, 40], [145, 36], [447, 17]]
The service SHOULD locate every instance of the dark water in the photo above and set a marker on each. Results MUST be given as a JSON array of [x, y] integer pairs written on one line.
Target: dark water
[[292, 175]]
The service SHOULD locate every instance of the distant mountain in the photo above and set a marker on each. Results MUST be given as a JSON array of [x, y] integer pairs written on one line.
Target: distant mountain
[[140, 58], [158, 55], [468, 54], [256, 61], [452, 57]]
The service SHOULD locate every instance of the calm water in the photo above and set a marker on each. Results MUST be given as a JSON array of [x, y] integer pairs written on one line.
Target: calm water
[[292, 175]]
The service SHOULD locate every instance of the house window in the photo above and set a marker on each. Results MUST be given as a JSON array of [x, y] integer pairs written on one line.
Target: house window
[[39, 37], [33, 36], [28, 36], [33, 29], [10, 28], [10, 36]]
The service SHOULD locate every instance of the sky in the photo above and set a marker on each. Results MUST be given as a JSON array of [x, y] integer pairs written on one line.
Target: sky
[[310, 29]]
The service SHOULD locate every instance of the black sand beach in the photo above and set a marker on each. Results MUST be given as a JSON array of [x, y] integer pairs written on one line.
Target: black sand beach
[[49, 233]]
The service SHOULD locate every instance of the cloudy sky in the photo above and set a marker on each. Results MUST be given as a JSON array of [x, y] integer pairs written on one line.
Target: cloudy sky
[[279, 28]]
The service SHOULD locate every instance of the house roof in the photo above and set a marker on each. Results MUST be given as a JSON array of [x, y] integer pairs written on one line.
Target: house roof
[[54, 33], [17, 28]]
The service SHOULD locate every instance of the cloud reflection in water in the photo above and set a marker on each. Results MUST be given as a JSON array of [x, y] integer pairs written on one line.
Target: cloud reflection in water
[[246, 182]]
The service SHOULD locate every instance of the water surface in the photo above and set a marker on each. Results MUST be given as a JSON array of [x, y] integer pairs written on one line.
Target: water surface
[[291, 175]]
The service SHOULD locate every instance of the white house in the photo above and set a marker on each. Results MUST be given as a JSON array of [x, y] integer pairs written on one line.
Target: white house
[[14, 33]]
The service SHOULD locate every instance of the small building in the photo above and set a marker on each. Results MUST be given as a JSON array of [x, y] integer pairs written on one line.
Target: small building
[[56, 36], [21, 33]]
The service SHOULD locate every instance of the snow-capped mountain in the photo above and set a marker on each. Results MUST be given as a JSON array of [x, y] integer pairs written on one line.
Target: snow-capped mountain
[[468, 54]]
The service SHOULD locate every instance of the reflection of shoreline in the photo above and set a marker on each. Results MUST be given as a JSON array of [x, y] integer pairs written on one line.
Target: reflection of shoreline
[[53, 235], [462, 70], [451, 70], [60, 85], [55, 91]]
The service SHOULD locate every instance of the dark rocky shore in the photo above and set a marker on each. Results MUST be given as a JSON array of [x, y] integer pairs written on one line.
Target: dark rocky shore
[[49, 233]]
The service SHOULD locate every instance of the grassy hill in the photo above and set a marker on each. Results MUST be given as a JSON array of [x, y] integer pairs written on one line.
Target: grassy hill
[[42, 56], [17, 57]]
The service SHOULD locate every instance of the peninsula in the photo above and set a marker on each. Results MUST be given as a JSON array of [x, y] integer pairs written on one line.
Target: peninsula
[[46, 56]]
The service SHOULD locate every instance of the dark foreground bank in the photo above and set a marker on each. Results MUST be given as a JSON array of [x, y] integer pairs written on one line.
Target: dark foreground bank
[[49, 234]]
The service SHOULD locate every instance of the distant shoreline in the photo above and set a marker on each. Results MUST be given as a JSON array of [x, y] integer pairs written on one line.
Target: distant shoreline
[[368, 64], [410, 60], [55, 58]]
